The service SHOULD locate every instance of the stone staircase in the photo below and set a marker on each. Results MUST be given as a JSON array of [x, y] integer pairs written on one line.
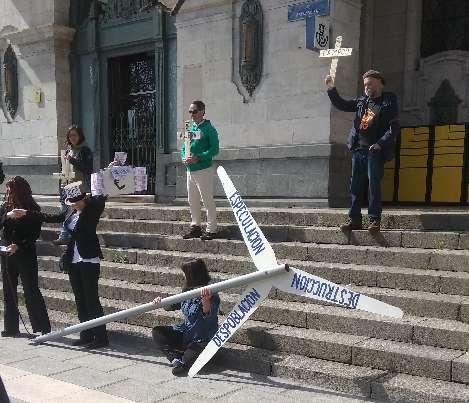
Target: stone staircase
[[420, 262]]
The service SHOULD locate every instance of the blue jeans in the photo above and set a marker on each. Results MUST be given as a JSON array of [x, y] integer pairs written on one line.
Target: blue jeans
[[64, 232], [366, 163]]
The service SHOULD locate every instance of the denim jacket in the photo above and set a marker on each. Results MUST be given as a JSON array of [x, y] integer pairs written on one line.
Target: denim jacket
[[197, 326], [388, 122]]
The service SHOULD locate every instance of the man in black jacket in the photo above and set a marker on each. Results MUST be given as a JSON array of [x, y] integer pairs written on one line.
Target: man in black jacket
[[371, 142]]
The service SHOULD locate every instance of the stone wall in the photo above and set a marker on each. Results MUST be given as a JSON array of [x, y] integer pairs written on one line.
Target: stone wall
[[41, 41], [284, 141]]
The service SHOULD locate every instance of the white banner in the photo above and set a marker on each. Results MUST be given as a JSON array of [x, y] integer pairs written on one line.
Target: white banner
[[307, 285], [259, 248], [250, 300], [118, 180]]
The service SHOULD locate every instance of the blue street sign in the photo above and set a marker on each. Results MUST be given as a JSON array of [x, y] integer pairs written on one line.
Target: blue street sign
[[310, 32], [303, 11]]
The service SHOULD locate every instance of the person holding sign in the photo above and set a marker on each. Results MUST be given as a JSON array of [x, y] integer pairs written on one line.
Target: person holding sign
[[82, 257], [200, 145], [80, 157], [19, 259], [372, 142], [183, 343]]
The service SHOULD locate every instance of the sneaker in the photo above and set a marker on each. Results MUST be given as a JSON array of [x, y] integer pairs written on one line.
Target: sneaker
[[195, 232], [208, 236], [180, 370], [176, 362], [375, 226], [351, 225]]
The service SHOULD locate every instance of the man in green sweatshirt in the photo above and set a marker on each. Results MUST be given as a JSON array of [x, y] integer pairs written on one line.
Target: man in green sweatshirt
[[203, 145]]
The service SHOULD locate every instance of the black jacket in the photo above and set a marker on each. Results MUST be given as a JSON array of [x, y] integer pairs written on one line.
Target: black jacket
[[388, 123], [84, 233], [83, 165], [23, 232]]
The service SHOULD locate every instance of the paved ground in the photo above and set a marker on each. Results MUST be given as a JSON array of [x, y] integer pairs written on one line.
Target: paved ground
[[126, 372]]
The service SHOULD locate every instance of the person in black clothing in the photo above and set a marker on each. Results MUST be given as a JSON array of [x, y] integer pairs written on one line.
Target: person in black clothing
[[82, 257], [3, 393], [182, 343], [81, 158], [372, 142], [21, 260], [2, 174]]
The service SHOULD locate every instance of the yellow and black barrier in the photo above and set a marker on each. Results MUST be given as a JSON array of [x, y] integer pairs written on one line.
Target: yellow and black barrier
[[431, 166]]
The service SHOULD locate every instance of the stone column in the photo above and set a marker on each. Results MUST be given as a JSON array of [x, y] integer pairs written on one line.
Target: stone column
[[30, 143]]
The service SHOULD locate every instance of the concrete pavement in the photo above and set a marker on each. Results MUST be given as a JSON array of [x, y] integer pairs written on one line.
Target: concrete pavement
[[131, 370]]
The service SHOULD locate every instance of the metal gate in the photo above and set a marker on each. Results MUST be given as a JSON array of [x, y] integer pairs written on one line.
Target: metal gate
[[132, 119]]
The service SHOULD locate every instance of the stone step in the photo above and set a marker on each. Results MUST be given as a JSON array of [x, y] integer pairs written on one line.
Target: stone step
[[296, 233], [416, 258], [453, 283], [359, 381], [443, 219], [425, 331], [418, 303], [426, 361]]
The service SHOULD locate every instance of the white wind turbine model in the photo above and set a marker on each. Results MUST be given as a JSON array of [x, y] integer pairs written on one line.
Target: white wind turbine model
[[292, 280], [269, 274]]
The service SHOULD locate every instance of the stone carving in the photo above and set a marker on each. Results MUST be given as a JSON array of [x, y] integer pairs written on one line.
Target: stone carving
[[10, 82], [122, 9], [251, 44]]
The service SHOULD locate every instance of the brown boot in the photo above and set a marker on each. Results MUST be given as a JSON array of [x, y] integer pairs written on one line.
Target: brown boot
[[351, 225], [374, 226]]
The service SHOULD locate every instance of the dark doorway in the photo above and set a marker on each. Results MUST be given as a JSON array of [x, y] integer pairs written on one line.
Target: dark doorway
[[132, 111]]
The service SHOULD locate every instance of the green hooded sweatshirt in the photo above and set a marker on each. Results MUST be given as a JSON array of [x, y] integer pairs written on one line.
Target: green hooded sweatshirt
[[204, 145]]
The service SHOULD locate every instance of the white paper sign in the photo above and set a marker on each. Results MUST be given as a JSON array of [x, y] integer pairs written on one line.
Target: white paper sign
[[97, 183], [141, 179], [116, 182]]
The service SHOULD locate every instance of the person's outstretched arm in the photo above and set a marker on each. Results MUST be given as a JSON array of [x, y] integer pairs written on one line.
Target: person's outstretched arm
[[336, 100]]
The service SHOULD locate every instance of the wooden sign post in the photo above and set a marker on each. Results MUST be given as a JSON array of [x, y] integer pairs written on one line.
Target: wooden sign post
[[335, 53]]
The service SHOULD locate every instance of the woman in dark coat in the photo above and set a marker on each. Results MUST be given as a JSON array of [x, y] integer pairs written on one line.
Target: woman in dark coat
[[82, 257], [81, 158], [20, 260], [182, 343]]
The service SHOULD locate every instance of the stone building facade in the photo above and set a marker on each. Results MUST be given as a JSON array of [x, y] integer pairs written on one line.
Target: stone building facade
[[285, 141]]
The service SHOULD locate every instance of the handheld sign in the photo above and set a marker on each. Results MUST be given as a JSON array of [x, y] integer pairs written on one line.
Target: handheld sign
[[335, 53]]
